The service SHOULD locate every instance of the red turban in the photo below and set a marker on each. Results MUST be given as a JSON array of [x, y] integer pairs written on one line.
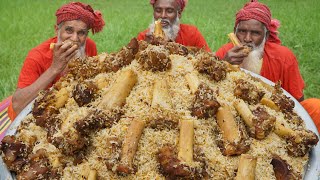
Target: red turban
[[181, 3], [83, 12], [259, 12]]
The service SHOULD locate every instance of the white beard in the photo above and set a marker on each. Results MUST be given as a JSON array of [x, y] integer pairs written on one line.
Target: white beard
[[171, 32], [253, 62]]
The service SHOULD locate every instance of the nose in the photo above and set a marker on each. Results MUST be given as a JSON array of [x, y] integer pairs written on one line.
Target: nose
[[74, 37], [163, 14], [248, 38]]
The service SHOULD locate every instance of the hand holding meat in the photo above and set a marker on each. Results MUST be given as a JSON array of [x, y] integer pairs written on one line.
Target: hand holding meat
[[62, 54]]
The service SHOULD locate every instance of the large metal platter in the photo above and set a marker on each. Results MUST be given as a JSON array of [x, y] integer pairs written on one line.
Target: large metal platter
[[312, 171]]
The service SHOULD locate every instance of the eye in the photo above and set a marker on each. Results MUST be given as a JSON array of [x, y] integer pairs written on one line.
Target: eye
[[170, 10], [69, 30], [82, 33], [158, 10], [256, 33], [242, 31]]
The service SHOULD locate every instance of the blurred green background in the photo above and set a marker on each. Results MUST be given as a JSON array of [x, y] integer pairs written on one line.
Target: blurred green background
[[27, 23]]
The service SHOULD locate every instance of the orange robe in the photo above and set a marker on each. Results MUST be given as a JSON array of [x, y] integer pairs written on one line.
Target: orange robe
[[38, 61], [279, 63], [312, 106], [188, 35]]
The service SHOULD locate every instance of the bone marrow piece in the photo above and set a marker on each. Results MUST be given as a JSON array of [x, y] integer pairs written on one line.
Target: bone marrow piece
[[130, 146], [258, 121], [233, 137], [186, 141], [247, 167]]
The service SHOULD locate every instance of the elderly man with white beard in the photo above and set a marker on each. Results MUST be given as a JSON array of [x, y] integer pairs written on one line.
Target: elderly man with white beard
[[255, 28], [45, 64], [169, 11]]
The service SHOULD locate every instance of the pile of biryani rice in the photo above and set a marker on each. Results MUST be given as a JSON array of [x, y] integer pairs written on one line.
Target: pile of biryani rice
[[100, 151]]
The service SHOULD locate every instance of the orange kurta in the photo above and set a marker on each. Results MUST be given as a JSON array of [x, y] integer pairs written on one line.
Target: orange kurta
[[279, 63], [312, 106], [188, 35], [38, 61]]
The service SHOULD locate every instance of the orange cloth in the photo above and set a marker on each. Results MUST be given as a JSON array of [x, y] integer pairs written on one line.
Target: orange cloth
[[312, 106], [279, 63], [12, 115], [188, 35], [38, 61]]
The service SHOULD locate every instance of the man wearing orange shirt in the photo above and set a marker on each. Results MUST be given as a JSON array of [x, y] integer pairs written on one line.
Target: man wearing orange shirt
[[44, 65], [255, 28], [170, 13]]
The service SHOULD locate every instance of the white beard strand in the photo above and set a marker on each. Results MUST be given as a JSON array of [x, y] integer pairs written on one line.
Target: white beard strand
[[253, 62], [171, 32]]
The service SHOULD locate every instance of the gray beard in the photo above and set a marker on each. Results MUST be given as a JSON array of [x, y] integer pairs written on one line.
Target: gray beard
[[80, 51], [253, 62], [171, 32]]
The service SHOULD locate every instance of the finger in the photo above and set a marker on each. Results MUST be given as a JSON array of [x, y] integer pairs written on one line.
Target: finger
[[70, 50], [71, 56], [237, 48], [237, 61]]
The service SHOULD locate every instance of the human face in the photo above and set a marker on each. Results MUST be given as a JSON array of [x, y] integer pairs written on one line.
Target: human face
[[251, 32], [166, 9], [75, 30]]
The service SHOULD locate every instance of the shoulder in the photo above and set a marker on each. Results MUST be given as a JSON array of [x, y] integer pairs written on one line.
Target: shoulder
[[278, 50], [188, 27], [42, 49], [90, 42]]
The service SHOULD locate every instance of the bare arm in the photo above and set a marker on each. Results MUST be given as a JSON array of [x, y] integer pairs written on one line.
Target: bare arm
[[61, 56]]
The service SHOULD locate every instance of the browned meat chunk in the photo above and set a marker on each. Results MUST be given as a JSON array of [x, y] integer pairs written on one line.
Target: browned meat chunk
[[96, 121], [175, 48], [84, 93], [263, 123], [248, 92], [171, 166], [15, 153], [161, 124], [301, 142], [207, 64], [282, 170], [154, 58], [205, 104]]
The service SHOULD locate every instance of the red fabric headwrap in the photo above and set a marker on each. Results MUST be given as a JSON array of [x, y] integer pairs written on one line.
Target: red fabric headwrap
[[259, 12], [181, 3], [83, 12]]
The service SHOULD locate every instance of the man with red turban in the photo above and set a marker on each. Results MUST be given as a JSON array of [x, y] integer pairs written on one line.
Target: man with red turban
[[170, 13], [255, 28], [43, 65]]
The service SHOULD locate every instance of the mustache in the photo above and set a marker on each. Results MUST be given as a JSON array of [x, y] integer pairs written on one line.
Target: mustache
[[165, 20]]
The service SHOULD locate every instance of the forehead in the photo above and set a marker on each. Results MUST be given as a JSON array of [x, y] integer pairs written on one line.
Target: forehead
[[76, 24], [166, 4], [251, 24]]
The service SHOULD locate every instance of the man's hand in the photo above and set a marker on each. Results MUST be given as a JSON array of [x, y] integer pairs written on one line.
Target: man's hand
[[62, 54], [236, 55]]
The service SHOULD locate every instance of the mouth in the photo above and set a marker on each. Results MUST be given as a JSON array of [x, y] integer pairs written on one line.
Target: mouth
[[165, 23]]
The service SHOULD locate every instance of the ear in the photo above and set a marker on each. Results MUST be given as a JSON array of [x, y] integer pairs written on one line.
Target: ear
[[267, 35], [56, 29], [179, 14]]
